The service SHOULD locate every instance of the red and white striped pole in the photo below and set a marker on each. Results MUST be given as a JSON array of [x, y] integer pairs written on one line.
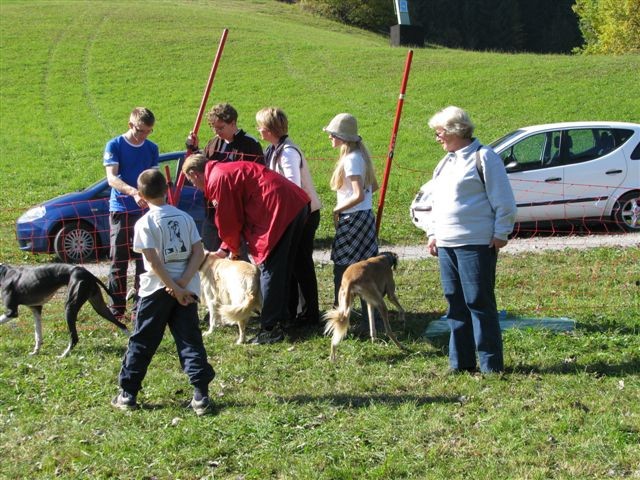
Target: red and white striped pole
[[392, 143], [203, 104]]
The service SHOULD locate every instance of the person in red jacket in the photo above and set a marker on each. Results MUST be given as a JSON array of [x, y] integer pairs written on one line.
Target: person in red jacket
[[269, 212]]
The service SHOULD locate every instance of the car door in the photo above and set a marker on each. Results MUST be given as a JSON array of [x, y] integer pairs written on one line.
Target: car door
[[536, 176], [593, 171]]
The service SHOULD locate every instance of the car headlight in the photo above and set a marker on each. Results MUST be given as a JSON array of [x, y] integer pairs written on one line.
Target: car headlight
[[32, 214]]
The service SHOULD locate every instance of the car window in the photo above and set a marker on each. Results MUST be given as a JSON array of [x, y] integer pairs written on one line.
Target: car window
[[635, 155], [590, 143], [532, 153], [621, 135], [496, 143]]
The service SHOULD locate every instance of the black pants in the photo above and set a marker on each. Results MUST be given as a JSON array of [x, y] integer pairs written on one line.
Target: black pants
[[155, 312], [304, 274], [276, 273], [121, 243]]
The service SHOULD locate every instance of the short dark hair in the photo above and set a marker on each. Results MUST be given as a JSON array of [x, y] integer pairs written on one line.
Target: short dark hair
[[224, 112], [152, 184]]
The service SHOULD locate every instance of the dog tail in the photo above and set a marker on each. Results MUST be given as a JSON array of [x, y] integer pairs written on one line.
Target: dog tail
[[101, 284], [234, 311], [337, 325]]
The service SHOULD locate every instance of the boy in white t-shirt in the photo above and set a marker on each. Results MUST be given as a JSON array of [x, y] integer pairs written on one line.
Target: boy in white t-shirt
[[172, 252]]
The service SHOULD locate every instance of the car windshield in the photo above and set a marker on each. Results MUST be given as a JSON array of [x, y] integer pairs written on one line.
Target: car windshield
[[494, 145]]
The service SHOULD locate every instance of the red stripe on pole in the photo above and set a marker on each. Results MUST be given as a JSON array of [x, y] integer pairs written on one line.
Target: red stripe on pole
[[392, 143], [203, 105], [167, 174]]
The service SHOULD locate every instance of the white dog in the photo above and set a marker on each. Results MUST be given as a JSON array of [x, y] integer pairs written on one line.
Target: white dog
[[231, 291]]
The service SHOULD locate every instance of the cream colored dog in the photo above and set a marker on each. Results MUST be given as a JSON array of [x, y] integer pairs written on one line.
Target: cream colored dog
[[231, 291], [371, 280]]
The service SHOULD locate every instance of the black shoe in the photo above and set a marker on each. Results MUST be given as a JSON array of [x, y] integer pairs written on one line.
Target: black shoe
[[267, 337], [124, 401], [458, 371]]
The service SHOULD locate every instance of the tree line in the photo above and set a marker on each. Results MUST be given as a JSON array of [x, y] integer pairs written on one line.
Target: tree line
[[540, 26]]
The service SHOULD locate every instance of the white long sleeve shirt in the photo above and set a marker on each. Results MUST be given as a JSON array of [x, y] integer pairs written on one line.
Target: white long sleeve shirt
[[466, 211]]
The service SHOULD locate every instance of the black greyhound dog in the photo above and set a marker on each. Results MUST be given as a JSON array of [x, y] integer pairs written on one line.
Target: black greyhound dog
[[34, 287]]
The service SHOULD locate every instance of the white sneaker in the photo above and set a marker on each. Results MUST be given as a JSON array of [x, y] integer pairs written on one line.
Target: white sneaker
[[201, 407]]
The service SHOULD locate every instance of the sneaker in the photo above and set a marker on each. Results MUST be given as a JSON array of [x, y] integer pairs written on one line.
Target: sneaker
[[201, 407], [124, 401], [266, 337]]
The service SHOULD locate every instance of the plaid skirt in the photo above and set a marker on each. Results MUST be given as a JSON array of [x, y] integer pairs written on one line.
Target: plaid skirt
[[355, 238]]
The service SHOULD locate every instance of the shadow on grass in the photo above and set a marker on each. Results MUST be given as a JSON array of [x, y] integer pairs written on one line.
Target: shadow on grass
[[363, 401], [598, 369], [608, 326]]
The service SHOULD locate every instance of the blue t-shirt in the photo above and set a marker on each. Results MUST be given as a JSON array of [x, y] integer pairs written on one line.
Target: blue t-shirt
[[131, 160]]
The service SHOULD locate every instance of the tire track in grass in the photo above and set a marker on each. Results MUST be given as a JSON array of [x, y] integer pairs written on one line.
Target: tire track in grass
[[56, 132], [67, 58], [86, 84]]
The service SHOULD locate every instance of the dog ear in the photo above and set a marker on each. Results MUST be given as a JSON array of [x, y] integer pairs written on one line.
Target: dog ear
[[394, 260]]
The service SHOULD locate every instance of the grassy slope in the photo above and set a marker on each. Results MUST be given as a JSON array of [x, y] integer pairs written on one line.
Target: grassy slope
[[71, 72]]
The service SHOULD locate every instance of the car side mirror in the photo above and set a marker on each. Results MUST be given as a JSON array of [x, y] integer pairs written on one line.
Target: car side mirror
[[510, 163]]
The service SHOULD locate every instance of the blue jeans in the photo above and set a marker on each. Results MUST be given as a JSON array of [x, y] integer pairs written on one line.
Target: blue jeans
[[468, 280], [155, 312]]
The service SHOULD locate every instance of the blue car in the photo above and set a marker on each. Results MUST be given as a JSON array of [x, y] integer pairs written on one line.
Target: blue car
[[75, 226]]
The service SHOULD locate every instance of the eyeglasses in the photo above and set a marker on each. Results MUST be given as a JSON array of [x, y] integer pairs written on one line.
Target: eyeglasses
[[441, 133], [219, 126], [142, 131]]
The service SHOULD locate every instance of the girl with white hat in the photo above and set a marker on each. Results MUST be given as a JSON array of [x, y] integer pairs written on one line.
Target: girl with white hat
[[354, 181]]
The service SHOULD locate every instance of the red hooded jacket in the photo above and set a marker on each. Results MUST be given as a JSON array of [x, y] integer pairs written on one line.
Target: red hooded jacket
[[254, 202]]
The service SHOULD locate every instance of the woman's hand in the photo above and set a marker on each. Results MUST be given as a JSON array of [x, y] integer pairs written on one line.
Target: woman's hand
[[433, 249], [497, 243]]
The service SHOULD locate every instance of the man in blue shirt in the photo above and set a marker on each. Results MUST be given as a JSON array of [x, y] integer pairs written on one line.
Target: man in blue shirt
[[126, 157]]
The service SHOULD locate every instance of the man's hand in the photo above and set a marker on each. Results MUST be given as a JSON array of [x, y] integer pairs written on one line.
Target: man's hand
[[141, 202], [220, 253], [192, 142]]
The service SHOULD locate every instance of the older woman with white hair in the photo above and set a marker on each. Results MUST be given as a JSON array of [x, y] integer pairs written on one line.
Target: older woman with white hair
[[472, 215]]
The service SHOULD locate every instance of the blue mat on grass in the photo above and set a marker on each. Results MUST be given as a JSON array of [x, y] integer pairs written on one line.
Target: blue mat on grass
[[440, 327]]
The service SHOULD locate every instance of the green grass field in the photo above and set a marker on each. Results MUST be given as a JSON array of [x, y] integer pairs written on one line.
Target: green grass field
[[568, 406]]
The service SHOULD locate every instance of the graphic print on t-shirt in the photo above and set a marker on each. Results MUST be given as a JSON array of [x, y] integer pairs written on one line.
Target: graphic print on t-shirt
[[175, 238]]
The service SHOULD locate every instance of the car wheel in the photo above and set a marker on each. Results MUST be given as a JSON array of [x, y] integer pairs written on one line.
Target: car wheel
[[626, 211], [75, 243]]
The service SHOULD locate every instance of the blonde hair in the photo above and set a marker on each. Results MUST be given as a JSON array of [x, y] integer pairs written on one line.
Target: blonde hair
[[194, 163], [142, 115], [337, 179], [273, 119]]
